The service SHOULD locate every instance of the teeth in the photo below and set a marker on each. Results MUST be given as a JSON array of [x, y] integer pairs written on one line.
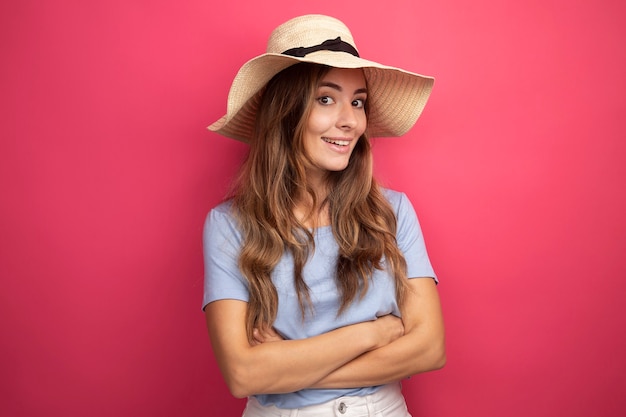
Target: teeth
[[337, 142]]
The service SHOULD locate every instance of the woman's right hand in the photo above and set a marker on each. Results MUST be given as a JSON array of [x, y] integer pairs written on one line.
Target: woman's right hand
[[386, 329]]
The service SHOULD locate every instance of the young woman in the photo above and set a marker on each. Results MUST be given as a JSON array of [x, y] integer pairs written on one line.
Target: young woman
[[319, 294]]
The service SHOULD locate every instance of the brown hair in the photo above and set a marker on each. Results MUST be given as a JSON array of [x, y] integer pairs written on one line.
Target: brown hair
[[273, 179]]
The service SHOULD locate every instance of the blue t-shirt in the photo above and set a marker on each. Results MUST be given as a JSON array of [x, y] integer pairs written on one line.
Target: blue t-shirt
[[223, 280]]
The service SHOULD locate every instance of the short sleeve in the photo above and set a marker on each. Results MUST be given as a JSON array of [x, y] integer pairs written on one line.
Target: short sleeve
[[221, 243], [410, 238]]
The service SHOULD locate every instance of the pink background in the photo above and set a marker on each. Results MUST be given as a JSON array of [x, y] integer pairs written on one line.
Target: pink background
[[517, 170]]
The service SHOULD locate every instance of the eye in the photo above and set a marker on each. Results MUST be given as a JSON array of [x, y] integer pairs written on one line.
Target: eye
[[325, 100], [359, 103]]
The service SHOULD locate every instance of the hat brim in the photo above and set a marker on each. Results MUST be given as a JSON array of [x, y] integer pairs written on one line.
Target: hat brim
[[396, 98]]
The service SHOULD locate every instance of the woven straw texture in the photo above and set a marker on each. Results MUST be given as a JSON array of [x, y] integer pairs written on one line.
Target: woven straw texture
[[396, 97]]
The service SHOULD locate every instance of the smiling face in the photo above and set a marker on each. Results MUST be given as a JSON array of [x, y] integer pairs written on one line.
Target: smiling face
[[336, 121]]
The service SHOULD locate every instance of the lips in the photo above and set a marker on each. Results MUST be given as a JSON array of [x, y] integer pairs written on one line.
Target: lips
[[337, 142]]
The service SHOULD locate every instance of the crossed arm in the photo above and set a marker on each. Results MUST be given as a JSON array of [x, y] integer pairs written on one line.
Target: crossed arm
[[364, 354]]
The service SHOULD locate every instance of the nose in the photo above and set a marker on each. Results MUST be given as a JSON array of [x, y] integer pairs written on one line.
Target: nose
[[347, 118]]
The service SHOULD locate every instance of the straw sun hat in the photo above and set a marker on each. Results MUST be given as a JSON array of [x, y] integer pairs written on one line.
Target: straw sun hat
[[395, 97]]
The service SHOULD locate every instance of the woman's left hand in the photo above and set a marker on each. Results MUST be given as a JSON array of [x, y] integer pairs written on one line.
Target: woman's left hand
[[264, 335]]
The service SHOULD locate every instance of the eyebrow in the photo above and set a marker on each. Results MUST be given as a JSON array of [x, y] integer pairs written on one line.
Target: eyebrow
[[339, 88]]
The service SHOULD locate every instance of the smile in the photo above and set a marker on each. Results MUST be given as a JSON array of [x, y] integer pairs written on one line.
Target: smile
[[336, 142]]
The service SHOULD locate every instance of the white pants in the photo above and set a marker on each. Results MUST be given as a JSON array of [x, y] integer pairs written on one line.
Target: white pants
[[386, 402]]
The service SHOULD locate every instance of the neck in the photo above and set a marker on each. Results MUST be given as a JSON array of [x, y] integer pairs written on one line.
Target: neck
[[312, 219], [313, 212]]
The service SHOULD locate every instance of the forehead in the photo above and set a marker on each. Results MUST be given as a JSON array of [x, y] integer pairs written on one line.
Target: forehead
[[346, 77]]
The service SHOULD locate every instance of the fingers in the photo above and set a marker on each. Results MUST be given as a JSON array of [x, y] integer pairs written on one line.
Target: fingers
[[392, 328], [265, 335]]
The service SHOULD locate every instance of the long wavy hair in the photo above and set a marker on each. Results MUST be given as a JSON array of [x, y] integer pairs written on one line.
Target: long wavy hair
[[273, 180]]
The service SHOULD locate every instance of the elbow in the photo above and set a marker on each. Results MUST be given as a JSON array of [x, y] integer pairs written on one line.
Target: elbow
[[238, 391], [437, 356], [434, 358], [238, 382], [439, 360]]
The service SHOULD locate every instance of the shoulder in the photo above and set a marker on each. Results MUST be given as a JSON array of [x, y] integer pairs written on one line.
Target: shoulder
[[403, 210], [397, 199], [221, 219], [224, 208], [222, 212]]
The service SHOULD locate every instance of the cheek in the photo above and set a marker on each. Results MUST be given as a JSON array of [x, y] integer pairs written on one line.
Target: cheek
[[318, 123], [362, 125], [314, 129]]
